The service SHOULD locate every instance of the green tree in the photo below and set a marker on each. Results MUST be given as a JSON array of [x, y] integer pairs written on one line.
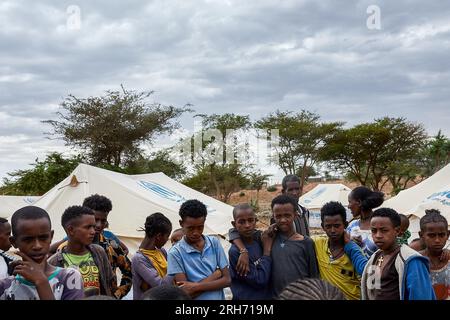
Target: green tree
[[436, 154], [371, 152], [42, 177], [213, 173], [158, 162], [110, 129], [257, 182], [302, 139]]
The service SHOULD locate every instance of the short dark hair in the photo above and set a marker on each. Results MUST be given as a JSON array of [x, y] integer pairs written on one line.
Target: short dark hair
[[288, 178], [3, 220], [74, 212], [388, 213], [165, 292], [193, 208], [432, 215], [28, 213], [283, 199], [311, 289], [98, 203], [157, 223], [333, 208], [240, 206], [369, 199]]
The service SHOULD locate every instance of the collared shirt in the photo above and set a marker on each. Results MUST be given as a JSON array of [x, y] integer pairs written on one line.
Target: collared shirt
[[198, 265]]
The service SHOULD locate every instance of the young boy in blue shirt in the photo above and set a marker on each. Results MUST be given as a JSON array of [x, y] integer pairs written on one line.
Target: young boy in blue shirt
[[197, 256]]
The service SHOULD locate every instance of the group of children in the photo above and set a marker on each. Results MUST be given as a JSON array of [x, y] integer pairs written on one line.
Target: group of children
[[366, 259]]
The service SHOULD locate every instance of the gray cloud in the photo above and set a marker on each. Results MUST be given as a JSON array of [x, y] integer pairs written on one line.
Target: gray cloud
[[248, 57]]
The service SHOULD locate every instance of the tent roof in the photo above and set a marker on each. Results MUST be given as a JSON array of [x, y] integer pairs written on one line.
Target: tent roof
[[9, 204], [433, 192], [324, 193], [134, 197]]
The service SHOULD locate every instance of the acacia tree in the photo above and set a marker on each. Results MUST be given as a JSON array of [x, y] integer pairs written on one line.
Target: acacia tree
[[111, 128], [302, 139], [42, 177], [374, 153]]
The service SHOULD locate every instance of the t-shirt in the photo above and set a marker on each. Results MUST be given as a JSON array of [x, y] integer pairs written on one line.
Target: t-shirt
[[85, 264], [66, 284], [149, 272], [198, 265], [3, 268], [389, 284], [440, 279], [369, 247], [292, 260], [339, 272], [256, 284]]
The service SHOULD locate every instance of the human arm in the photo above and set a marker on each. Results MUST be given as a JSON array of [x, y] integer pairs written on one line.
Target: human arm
[[54, 247], [355, 253], [418, 285], [145, 269], [258, 276], [196, 288], [243, 263], [312, 259], [124, 264]]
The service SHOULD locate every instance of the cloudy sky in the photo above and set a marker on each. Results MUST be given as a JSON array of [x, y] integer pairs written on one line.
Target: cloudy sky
[[247, 57]]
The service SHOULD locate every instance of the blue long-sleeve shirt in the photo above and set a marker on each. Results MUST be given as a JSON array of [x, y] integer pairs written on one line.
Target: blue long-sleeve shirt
[[357, 256], [256, 284]]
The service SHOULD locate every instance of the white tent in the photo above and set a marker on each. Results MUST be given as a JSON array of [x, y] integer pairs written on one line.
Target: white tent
[[432, 193], [321, 194], [133, 198], [9, 204], [324, 193]]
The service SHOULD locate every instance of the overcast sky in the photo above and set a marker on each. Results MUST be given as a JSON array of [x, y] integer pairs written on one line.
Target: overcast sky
[[247, 57]]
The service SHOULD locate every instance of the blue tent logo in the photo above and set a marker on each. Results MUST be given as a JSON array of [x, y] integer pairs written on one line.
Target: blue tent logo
[[442, 197], [166, 193]]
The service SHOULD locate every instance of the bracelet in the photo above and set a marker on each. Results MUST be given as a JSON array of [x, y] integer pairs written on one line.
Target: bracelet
[[243, 251]]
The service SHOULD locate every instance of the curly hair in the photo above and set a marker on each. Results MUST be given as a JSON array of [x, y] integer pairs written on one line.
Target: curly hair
[[388, 213], [157, 223], [28, 213], [432, 215], [333, 208], [98, 203], [311, 289], [193, 208], [74, 212]]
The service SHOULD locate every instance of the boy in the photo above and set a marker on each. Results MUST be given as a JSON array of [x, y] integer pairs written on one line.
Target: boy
[[335, 265], [101, 206], [434, 232], [394, 272], [255, 285], [80, 253], [197, 256], [5, 259], [35, 279], [290, 187], [293, 255]]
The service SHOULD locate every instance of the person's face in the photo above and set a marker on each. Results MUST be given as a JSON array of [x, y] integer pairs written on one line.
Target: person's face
[[245, 222], [193, 228], [33, 238], [334, 227], [435, 236], [161, 239], [383, 232], [284, 216], [82, 230], [176, 236], [5, 233], [293, 189], [354, 206], [101, 221]]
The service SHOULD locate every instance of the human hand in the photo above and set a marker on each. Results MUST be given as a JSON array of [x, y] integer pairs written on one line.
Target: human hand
[[445, 255], [358, 240], [243, 264], [347, 238], [189, 287], [29, 269]]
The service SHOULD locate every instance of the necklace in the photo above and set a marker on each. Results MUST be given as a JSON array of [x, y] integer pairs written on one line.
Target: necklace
[[336, 256], [381, 259], [283, 242]]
